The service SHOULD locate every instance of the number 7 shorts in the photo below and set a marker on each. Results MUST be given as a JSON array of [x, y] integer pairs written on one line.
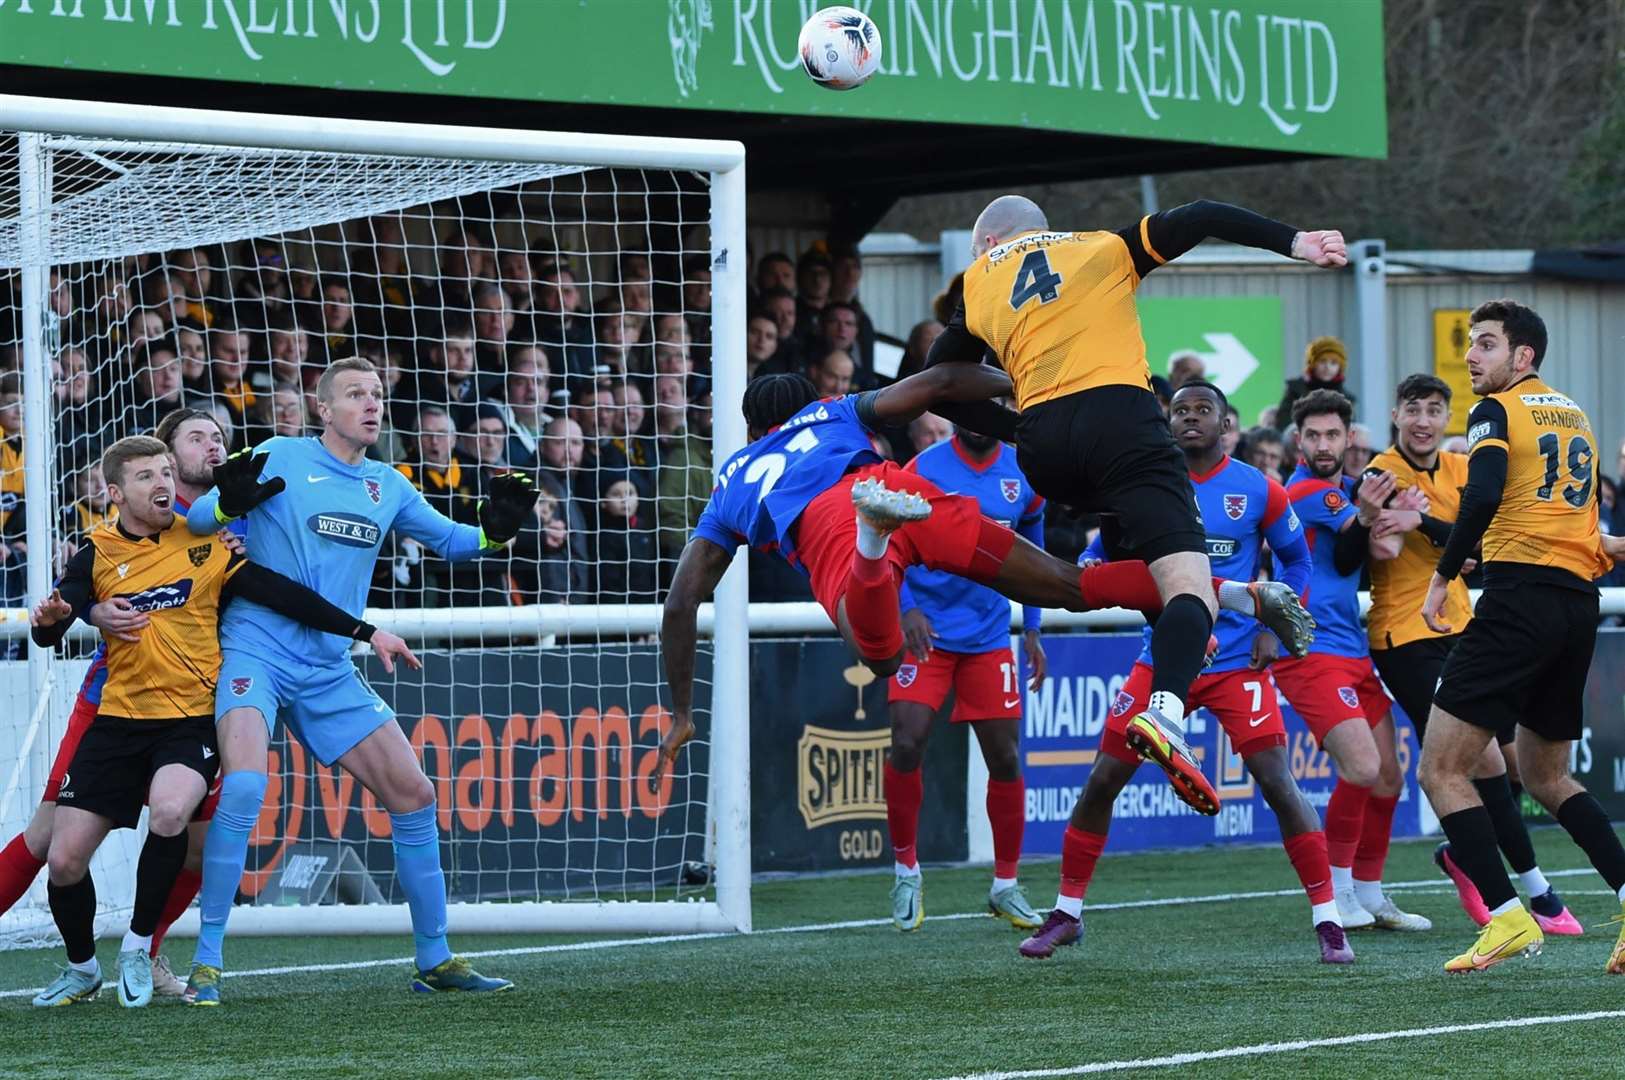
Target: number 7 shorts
[[1244, 701], [328, 708]]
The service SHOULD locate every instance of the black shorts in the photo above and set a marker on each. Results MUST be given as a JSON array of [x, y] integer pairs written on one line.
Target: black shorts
[[1524, 660], [113, 768], [1109, 451], [1411, 672]]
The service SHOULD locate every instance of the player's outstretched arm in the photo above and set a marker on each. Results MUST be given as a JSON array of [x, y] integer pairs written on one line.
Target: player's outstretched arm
[[1168, 234], [698, 570], [71, 599], [448, 539], [937, 389], [958, 346], [285, 596]]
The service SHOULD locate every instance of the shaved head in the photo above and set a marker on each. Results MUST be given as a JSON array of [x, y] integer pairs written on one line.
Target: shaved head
[[1004, 217]]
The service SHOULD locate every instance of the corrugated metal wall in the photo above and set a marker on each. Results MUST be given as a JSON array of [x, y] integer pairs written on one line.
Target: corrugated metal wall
[[1586, 358]]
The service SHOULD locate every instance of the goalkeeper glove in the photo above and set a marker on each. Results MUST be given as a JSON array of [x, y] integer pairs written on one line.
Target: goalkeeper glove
[[238, 479], [511, 497]]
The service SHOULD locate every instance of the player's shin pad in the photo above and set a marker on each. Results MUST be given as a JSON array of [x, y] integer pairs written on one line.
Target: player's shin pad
[[871, 609]]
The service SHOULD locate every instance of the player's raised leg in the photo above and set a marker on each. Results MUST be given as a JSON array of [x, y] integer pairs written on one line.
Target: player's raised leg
[[75, 836], [385, 765]]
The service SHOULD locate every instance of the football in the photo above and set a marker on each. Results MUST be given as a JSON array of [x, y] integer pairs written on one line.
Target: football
[[840, 48]]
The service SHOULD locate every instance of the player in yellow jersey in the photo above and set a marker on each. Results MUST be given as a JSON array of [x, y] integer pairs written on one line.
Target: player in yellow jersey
[[1057, 310], [1410, 655], [153, 739], [1531, 502]]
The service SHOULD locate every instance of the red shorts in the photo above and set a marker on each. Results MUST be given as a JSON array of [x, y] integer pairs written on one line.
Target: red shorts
[[1327, 690], [956, 537], [79, 721], [986, 686], [1243, 700]]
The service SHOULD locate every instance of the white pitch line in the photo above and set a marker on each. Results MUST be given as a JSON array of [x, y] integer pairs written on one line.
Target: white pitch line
[[807, 928], [1260, 1049]]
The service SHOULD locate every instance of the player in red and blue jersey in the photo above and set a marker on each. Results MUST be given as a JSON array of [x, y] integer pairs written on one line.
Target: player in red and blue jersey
[[197, 444], [1241, 509], [1335, 688], [958, 639], [794, 489]]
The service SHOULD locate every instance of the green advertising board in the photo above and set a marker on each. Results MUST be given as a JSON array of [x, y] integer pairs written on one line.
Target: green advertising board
[[1238, 338], [1301, 76]]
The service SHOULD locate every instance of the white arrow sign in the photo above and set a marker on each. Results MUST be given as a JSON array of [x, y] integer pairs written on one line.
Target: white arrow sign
[[1229, 364]]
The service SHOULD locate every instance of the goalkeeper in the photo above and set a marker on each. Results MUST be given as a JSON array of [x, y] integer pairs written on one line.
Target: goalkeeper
[[319, 510]]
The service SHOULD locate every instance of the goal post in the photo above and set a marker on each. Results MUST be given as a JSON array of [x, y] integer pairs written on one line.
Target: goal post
[[91, 183]]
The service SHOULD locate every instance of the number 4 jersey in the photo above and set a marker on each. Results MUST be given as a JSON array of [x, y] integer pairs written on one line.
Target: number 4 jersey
[[762, 490], [1057, 308], [1548, 512]]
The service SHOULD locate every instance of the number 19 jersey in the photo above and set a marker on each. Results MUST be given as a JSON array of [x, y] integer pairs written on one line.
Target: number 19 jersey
[[762, 490], [1548, 513], [1057, 309]]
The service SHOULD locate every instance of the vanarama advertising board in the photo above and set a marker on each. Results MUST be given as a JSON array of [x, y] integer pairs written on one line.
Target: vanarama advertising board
[[1293, 75]]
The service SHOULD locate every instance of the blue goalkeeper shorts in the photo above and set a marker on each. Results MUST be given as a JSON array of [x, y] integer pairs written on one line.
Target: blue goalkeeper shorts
[[329, 708]]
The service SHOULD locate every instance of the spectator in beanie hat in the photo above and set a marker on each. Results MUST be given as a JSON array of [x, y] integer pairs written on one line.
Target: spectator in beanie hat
[[1325, 366]]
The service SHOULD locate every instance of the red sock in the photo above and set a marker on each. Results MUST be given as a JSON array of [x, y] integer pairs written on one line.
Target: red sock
[[1127, 584], [1007, 811], [1372, 853], [1080, 851], [187, 883], [871, 608], [18, 869], [1345, 816], [1308, 854], [904, 793]]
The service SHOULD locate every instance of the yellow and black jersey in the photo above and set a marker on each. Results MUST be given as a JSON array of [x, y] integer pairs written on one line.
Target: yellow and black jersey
[[11, 477], [1399, 585], [1057, 308], [180, 581], [1537, 444], [177, 579], [1058, 311]]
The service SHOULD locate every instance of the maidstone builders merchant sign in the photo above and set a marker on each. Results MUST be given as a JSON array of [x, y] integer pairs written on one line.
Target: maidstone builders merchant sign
[[1295, 75]]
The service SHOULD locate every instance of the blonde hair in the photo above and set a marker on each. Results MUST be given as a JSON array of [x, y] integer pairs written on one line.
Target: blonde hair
[[324, 385]]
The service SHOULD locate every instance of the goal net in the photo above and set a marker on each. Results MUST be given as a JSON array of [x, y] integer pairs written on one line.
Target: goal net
[[563, 305]]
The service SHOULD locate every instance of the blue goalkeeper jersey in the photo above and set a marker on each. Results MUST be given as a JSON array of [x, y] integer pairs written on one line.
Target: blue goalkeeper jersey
[[324, 531], [762, 490], [967, 617], [1326, 507], [1241, 510]]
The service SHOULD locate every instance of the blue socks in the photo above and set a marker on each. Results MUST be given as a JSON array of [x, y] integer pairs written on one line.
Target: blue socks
[[417, 867], [225, 851]]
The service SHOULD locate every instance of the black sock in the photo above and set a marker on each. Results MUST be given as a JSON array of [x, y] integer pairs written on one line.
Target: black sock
[[1178, 644], [161, 860], [1517, 790], [1472, 846], [74, 909], [1510, 832], [1585, 820]]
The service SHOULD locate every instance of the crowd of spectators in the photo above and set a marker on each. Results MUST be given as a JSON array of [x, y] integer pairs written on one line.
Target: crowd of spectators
[[592, 374]]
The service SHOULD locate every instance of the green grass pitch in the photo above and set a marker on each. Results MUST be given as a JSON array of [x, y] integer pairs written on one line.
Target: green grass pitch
[[949, 1000]]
